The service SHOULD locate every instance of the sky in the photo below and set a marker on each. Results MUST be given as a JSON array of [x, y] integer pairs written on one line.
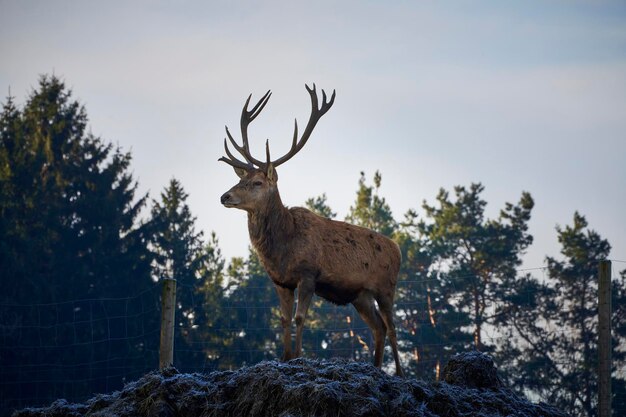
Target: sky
[[521, 96]]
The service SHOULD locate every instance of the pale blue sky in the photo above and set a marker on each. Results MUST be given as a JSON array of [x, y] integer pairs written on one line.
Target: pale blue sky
[[522, 96]]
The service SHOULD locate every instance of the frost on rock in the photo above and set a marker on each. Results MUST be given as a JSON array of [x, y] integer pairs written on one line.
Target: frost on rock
[[304, 387]]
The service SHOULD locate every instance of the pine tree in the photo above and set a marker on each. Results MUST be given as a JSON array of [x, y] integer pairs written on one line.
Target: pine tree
[[180, 254], [70, 231], [207, 332], [370, 210], [431, 327], [251, 315], [550, 345], [70, 212], [319, 206], [479, 256]]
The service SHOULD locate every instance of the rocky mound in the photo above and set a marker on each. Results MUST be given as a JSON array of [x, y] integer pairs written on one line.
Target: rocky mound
[[305, 387]]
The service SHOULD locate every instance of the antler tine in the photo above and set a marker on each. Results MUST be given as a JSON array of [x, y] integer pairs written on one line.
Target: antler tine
[[232, 161], [233, 158], [313, 94], [246, 118], [327, 106], [316, 114], [241, 149], [262, 102], [295, 133]]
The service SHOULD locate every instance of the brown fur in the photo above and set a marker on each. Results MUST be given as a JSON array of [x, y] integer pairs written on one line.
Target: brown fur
[[340, 262]]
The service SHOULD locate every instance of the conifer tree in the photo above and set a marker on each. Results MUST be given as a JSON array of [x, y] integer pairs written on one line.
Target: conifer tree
[[207, 331], [251, 314], [370, 210], [70, 212], [478, 256], [550, 345], [70, 231], [180, 254], [430, 325], [319, 206]]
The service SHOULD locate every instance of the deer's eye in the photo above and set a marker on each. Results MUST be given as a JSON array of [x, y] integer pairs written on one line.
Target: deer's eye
[[257, 183]]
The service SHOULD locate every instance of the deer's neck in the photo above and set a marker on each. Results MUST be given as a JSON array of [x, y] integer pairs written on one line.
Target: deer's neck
[[271, 227]]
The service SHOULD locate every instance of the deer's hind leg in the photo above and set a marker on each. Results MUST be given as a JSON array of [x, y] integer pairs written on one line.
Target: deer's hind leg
[[385, 304], [285, 296], [366, 307]]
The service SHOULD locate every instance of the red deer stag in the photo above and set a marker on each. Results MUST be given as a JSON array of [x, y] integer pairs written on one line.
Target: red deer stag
[[300, 250]]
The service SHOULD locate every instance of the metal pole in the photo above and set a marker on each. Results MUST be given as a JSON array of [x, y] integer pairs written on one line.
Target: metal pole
[[168, 310], [604, 339]]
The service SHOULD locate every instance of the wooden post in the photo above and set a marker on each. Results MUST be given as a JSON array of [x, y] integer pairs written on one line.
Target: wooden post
[[168, 310], [604, 339]]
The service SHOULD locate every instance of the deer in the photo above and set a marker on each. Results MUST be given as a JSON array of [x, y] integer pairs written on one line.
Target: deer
[[300, 250]]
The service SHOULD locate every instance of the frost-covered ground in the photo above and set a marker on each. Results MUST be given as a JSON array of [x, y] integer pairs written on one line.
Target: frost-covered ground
[[304, 387]]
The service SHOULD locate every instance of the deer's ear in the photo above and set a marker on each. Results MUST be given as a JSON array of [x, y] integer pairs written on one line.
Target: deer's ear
[[270, 173], [241, 173]]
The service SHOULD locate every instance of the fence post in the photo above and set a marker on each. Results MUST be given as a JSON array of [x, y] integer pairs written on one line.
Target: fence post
[[604, 339], [168, 310]]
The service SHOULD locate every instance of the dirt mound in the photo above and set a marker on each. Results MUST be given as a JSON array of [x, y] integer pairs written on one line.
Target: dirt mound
[[472, 370], [305, 387]]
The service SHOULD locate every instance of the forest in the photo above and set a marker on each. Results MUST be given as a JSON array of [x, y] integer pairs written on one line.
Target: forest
[[82, 253]]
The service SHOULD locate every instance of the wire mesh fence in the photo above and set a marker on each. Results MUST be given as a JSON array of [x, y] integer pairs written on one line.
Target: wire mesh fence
[[73, 349]]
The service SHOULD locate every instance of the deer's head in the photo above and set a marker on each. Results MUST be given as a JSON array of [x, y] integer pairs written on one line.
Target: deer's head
[[257, 178]]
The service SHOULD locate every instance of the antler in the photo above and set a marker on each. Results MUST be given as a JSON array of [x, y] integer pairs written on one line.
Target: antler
[[316, 114], [248, 116]]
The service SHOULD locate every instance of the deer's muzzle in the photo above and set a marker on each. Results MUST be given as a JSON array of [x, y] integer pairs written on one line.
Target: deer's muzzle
[[228, 200]]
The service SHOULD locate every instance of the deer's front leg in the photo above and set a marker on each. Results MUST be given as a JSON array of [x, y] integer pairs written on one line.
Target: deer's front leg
[[285, 295], [306, 289]]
